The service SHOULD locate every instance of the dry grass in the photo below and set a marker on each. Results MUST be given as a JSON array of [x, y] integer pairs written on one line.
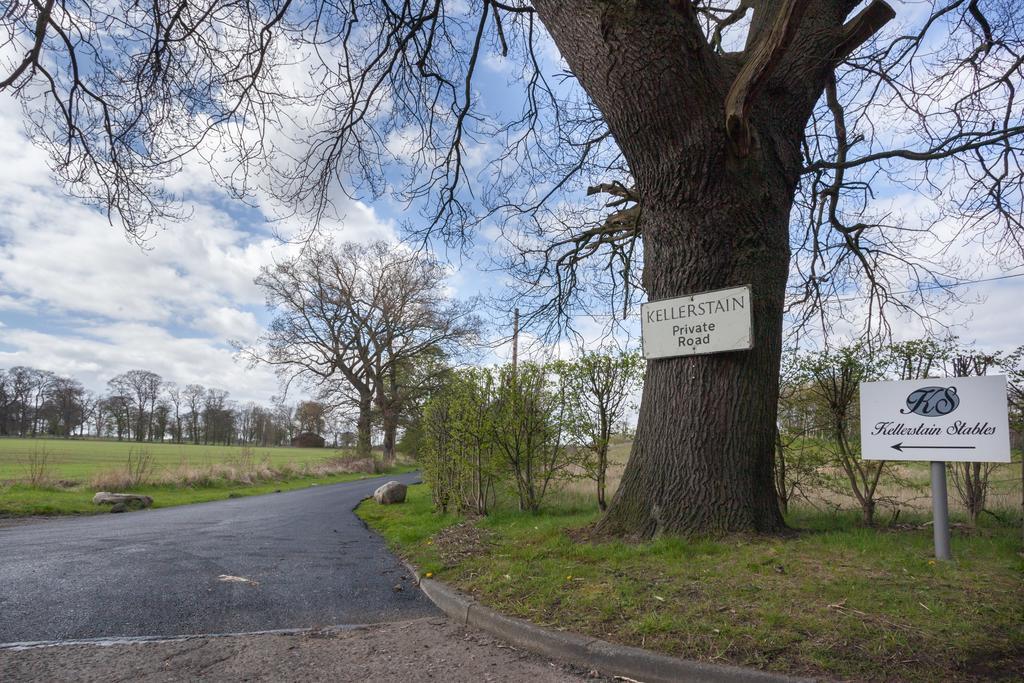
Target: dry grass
[[79, 459], [37, 468], [244, 469], [912, 494]]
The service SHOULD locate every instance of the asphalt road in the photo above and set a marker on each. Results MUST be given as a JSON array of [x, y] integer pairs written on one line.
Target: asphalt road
[[311, 562]]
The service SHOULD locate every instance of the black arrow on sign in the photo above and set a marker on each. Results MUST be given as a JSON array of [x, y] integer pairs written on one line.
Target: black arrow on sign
[[899, 447]]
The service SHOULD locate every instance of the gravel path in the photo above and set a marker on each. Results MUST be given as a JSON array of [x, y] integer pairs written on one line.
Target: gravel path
[[430, 649]]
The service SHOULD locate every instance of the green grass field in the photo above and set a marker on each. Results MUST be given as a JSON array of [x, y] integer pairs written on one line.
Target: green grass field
[[834, 599], [78, 460], [59, 477]]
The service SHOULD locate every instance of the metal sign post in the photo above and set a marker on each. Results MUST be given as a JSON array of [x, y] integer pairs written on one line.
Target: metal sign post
[[963, 418], [940, 512]]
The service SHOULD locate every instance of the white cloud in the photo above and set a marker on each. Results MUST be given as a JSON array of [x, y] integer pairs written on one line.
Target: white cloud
[[95, 353], [232, 323], [988, 316], [76, 297]]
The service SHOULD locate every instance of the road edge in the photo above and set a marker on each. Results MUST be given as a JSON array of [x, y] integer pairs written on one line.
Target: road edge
[[14, 521], [584, 651]]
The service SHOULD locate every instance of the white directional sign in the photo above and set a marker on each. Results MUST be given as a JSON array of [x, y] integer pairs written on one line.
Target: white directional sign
[[709, 322], [961, 419]]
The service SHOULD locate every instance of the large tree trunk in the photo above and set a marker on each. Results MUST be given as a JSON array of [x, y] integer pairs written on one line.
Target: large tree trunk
[[715, 207], [390, 404], [389, 423], [701, 460], [364, 424]]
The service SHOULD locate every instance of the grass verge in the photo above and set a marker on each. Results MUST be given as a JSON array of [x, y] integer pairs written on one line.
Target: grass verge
[[835, 599], [19, 500]]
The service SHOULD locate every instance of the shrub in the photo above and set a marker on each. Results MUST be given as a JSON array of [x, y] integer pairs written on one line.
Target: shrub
[[598, 386], [457, 449], [308, 440], [833, 378], [37, 468], [491, 427]]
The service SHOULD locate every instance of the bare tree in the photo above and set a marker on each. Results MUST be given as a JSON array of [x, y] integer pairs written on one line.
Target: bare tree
[[311, 417], [142, 389], [119, 408], [415, 328], [101, 414], [355, 318], [22, 381], [284, 416], [67, 397], [971, 479], [175, 397], [218, 417], [160, 417], [40, 384], [23, 393], [90, 406], [315, 337], [735, 140], [6, 403], [193, 395]]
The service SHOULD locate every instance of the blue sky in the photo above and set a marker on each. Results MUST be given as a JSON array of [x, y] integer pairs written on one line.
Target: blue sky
[[78, 298]]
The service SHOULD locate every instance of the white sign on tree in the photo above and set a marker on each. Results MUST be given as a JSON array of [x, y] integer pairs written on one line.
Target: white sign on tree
[[962, 419], [709, 322]]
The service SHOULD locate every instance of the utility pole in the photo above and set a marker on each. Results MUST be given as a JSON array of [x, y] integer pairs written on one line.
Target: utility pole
[[515, 342]]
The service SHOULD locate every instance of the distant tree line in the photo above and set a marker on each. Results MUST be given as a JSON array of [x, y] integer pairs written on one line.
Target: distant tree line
[[140, 405], [368, 330]]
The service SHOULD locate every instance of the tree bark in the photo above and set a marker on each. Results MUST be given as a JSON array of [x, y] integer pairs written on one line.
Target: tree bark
[[364, 424], [702, 456], [389, 401], [389, 422], [602, 477], [779, 467], [711, 218]]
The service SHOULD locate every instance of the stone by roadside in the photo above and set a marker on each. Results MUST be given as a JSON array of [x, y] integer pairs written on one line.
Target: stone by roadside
[[122, 502], [432, 649], [391, 492]]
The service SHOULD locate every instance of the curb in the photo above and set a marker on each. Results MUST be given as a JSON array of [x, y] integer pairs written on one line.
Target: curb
[[583, 651]]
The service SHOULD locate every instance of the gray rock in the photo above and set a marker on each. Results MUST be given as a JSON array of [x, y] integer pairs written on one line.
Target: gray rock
[[391, 492], [122, 502]]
